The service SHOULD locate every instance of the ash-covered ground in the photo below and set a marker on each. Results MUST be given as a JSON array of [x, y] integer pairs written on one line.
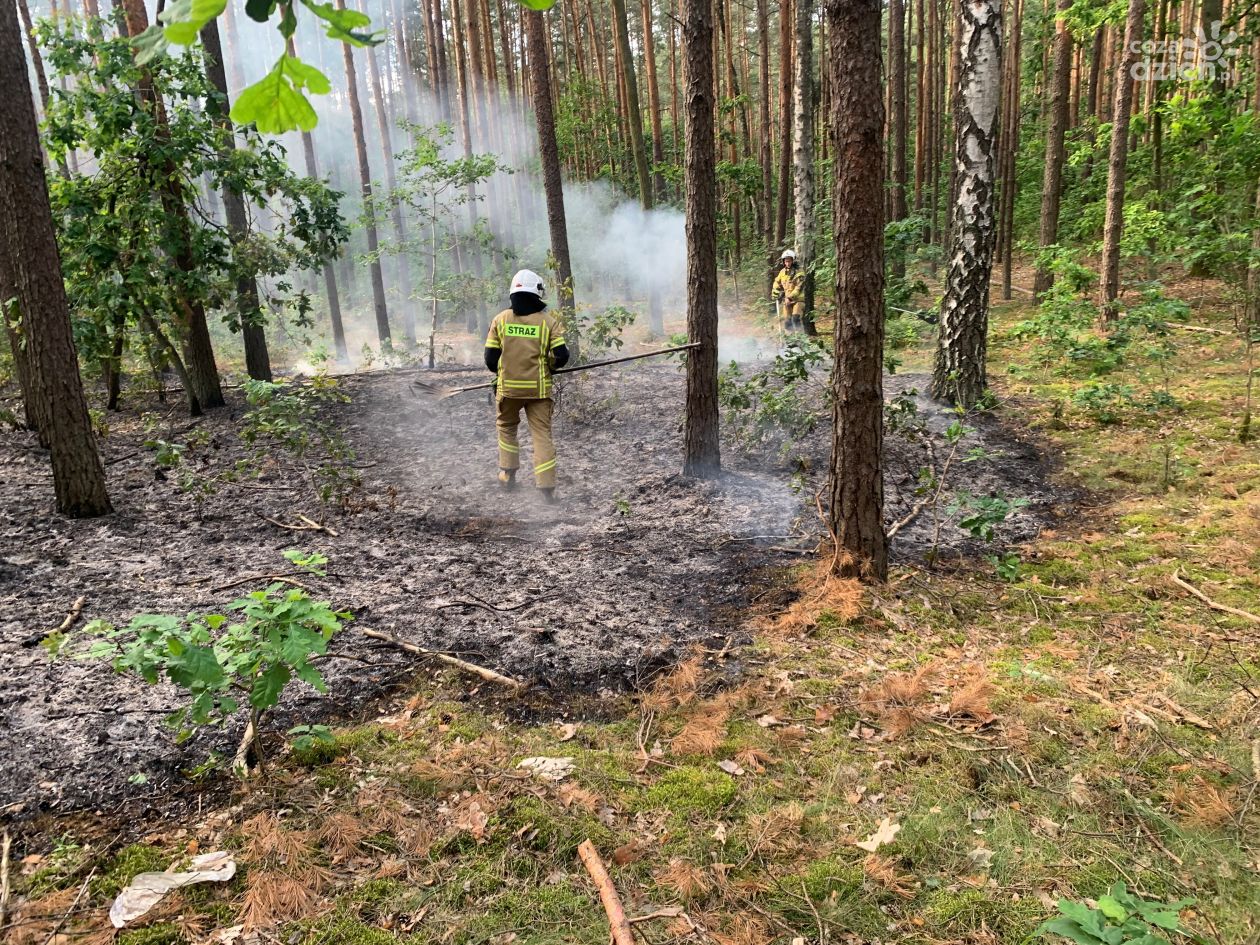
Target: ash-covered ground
[[632, 568]]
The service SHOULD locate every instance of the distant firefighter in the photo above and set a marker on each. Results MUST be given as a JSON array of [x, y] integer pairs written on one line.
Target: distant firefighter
[[525, 344], [789, 293]]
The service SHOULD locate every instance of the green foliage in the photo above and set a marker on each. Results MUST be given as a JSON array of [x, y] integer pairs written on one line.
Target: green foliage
[[136, 251], [772, 407], [981, 515], [222, 666], [602, 333], [1119, 918], [286, 416]]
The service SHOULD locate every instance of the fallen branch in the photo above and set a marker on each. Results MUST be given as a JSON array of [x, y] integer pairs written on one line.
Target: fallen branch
[[309, 526], [4, 878], [909, 517], [673, 912], [493, 608], [75, 610], [621, 933], [1203, 328], [487, 674], [1185, 585]]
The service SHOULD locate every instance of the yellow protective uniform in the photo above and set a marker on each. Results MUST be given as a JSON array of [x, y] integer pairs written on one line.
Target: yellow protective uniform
[[524, 383], [789, 287]]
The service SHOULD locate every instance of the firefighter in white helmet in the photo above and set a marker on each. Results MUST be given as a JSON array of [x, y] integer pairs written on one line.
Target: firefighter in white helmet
[[525, 344], [788, 293]]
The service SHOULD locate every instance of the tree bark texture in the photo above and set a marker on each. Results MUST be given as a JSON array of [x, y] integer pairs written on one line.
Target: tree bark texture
[[855, 487], [701, 449], [544, 112], [1056, 130], [31, 264], [1117, 164], [803, 157], [959, 375], [365, 188]]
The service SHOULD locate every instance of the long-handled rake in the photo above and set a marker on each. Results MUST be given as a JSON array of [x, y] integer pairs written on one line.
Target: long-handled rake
[[440, 393]]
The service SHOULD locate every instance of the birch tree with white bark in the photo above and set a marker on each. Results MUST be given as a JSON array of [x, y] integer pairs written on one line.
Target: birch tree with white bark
[[960, 375]]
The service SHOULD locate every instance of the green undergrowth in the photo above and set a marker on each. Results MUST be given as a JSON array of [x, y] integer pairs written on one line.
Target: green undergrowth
[[1088, 722]]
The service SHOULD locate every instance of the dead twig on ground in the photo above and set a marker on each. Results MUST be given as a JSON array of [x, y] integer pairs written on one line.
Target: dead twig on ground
[[621, 933], [494, 609], [307, 526], [673, 912], [4, 878], [1223, 608], [487, 674], [75, 610], [62, 921]]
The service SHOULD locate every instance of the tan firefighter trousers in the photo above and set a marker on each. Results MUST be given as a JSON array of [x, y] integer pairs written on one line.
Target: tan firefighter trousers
[[538, 415]]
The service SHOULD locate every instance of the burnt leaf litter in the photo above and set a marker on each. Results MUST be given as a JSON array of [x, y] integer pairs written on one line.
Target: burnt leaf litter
[[633, 568]]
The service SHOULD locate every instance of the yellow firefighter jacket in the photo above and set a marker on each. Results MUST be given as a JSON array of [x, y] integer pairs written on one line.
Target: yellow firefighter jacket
[[789, 285], [526, 342]]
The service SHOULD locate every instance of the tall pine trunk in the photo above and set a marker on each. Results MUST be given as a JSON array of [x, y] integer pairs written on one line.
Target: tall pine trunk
[[330, 275], [702, 454], [1056, 129], [961, 349], [803, 159], [248, 310], [544, 111], [654, 100], [785, 122], [365, 188], [31, 265], [633, 116], [899, 117], [1117, 165], [403, 269], [855, 483]]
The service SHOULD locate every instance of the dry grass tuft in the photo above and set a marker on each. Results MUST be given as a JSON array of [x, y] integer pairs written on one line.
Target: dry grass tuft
[[821, 591], [339, 834], [273, 897], [677, 687], [883, 872], [743, 929], [755, 759], [703, 734], [972, 699], [1203, 804], [775, 832], [686, 880], [33, 921], [267, 839]]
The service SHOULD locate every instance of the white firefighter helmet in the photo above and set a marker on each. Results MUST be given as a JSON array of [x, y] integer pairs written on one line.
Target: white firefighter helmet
[[527, 281], [788, 254]]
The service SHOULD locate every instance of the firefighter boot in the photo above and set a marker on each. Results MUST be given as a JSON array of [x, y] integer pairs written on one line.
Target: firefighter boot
[[507, 478], [548, 495]]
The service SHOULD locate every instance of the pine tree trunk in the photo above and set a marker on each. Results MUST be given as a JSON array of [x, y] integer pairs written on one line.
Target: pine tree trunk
[[766, 215], [330, 275], [785, 122], [961, 350], [654, 100], [365, 189], [1117, 165], [803, 159], [855, 484], [1056, 129], [31, 265], [1010, 181], [403, 268], [476, 313], [920, 108], [899, 118], [630, 92], [248, 310], [544, 111], [702, 455], [198, 350]]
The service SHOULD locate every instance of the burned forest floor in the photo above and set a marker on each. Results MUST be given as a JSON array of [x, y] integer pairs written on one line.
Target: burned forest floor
[[759, 751]]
